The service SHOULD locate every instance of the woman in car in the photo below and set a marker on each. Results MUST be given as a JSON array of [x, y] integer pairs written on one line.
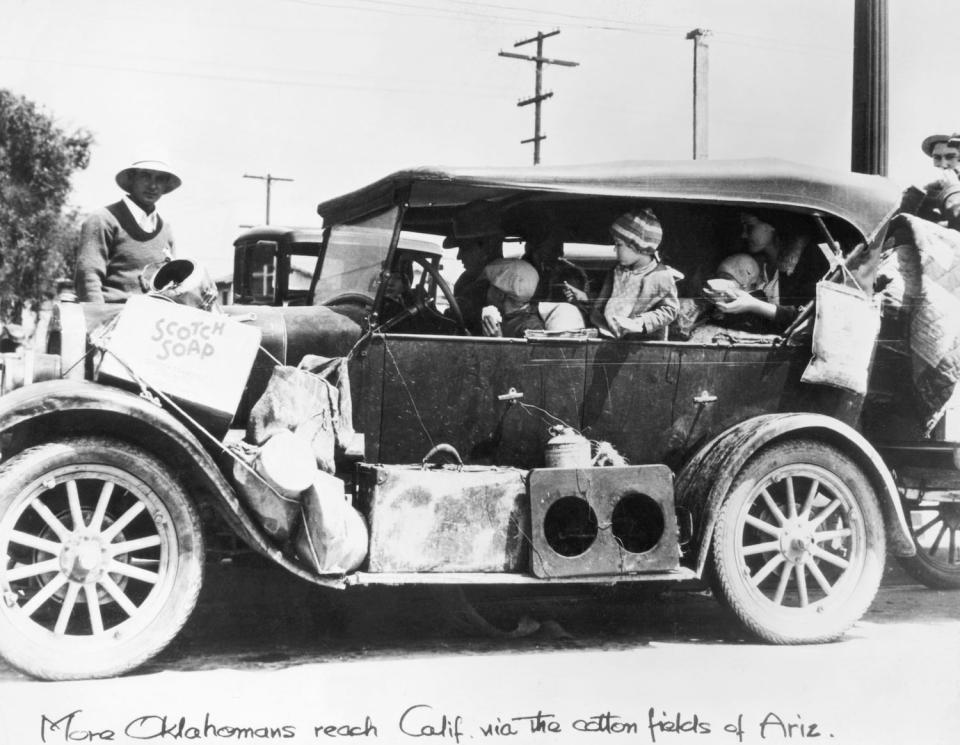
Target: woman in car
[[639, 296], [790, 270]]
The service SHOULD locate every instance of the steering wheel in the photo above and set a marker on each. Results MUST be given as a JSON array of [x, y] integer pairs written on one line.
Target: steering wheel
[[351, 298], [420, 305], [451, 300]]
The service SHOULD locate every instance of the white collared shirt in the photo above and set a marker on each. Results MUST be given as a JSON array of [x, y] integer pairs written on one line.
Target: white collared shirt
[[147, 222]]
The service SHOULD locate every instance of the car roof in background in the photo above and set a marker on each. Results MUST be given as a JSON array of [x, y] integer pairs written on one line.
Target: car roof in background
[[315, 235], [279, 233], [864, 201]]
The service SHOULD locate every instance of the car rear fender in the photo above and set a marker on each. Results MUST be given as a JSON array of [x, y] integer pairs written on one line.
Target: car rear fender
[[58, 408], [705, 480]]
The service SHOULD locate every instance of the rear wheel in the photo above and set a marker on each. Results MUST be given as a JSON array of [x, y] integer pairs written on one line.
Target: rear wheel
[[798, 548], [935, 527], [104, 558]]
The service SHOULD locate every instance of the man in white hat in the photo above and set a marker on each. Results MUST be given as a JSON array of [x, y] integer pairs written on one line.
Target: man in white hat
[[119, 240]]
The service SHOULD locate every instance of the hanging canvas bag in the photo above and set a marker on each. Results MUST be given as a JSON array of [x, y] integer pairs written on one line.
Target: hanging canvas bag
[[845, 331]]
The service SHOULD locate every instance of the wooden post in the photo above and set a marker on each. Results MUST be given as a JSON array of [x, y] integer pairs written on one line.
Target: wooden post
[[868, 151]]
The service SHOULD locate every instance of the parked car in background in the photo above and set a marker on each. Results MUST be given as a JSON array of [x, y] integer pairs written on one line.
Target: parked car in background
[[739, 475]]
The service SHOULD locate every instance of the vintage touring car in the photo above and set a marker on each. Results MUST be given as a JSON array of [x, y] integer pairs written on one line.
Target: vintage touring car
[[741, 475]]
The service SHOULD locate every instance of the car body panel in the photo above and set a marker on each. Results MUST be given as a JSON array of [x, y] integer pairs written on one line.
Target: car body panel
[[705, 480], [85, 408], [422, 408]]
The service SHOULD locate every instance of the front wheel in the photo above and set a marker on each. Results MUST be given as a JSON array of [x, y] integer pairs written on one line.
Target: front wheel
[[798, 548], [103, 558]]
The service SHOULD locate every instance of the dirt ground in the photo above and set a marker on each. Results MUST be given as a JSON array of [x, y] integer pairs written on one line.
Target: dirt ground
[[274, 658]]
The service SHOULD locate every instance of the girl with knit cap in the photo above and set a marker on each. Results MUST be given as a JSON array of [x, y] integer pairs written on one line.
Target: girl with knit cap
[[118, 241], [639, 296]]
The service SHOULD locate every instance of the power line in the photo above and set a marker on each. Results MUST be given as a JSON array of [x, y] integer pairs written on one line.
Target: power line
[[269, 179], [538, 95]]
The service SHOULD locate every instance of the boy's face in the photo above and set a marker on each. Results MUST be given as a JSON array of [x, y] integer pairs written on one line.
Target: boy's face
[[629, 256], [496, 296]]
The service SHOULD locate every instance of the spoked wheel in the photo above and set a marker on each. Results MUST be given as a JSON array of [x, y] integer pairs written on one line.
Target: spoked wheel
[[798, 548], [103, 558], [935, 527]]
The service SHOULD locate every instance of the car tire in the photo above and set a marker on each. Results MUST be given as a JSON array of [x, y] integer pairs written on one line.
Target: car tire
[[931, 523], [806, 573], [104, 558]]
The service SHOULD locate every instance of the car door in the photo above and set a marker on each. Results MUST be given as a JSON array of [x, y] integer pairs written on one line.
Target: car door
[[629, 395], [720, 386], [446, 389]]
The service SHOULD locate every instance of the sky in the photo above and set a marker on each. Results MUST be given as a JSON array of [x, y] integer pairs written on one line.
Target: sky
[[334, 94]]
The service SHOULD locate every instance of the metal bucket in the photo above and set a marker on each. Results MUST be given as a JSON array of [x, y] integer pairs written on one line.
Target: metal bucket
[[186, 282], [567, 449]]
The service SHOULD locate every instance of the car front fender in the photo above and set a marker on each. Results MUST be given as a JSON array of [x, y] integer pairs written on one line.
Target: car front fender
[[59, 408], [705, 480]]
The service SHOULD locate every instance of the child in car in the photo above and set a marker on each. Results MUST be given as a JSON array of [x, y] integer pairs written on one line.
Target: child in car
[[639, 296], [737, 273]]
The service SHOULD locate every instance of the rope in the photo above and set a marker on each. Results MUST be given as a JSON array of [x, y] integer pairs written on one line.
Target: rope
[[406, 388], [544, 411], [146, 386]]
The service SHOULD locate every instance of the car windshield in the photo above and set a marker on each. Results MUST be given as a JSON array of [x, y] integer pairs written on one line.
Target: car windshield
[[354, 258]]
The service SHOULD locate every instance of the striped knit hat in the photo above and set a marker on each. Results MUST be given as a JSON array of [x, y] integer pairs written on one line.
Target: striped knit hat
[[641, 229]]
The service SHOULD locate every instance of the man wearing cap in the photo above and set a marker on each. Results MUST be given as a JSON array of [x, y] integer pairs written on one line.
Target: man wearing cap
[[479, 240], [943, 149], [941, 198], [509, 311], [639, 296], [119, 240]]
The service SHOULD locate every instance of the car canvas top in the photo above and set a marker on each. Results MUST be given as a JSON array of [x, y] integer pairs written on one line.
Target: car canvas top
[[866, 202]]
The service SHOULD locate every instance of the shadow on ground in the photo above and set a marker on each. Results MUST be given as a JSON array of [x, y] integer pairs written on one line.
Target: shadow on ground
[[256, 615]]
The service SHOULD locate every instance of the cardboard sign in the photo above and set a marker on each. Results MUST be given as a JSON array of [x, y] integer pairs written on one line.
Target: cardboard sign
[[192, 355]]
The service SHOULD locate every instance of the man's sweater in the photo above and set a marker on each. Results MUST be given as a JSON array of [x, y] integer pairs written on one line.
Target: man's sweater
[[113, 251]]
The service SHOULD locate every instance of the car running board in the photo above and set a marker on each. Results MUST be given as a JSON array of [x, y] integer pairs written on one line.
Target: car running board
[[488, 578]]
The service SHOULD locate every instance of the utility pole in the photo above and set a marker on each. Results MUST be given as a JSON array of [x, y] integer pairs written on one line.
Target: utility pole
[[701, 71], [269, 179], [868, 151], [538, 95]]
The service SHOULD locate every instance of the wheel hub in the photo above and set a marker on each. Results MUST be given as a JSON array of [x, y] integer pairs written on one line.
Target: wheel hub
[[83, 558], [950, 514], [796, 540]]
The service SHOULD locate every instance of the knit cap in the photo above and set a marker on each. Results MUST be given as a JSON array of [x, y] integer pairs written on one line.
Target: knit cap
[[514, 277], [641, 229]]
